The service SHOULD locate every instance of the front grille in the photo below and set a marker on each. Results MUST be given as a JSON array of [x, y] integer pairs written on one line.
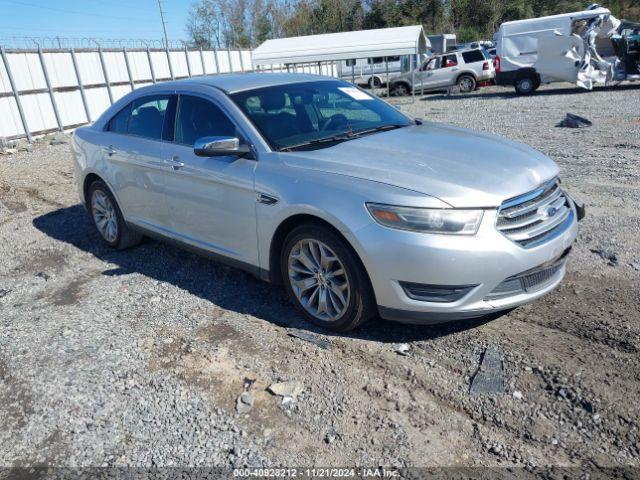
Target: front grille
[[528, 281], [535, 217]]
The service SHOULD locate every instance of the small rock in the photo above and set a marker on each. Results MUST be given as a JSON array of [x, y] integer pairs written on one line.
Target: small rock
[[403, 349], [554, 442], [331, 436], [59, 139], [517, 395], [244, 402], [286, 389], [43, 276], [3, 292]]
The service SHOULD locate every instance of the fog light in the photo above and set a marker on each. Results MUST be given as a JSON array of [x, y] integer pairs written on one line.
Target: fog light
[[435, 293]]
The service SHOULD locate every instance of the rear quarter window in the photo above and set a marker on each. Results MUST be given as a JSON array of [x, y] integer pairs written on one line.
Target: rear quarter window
[[473, 56], [119, 123]]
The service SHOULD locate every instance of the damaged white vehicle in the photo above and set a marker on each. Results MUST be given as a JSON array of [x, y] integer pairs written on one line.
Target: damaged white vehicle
[[586, 48]]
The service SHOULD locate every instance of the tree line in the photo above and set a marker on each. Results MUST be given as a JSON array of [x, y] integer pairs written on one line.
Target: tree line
[[248, 23]]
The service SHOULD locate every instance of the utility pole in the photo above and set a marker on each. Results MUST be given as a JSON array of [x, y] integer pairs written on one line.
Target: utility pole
[[164, 24]]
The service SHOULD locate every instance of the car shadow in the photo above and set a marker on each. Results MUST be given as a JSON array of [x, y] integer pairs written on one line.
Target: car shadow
[[509, 92], [229, 288]]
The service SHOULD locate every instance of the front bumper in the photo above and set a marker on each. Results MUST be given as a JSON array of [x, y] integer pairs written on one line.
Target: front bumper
[[484, 260]]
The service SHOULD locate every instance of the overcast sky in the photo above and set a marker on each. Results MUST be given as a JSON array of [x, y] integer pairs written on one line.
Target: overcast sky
[[92, 18]]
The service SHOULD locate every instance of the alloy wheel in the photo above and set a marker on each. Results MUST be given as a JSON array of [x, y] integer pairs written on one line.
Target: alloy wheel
[[104, 216], [466, 84], [318, 280]]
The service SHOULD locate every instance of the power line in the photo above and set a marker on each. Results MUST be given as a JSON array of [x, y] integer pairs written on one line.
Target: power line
[[70, 12]]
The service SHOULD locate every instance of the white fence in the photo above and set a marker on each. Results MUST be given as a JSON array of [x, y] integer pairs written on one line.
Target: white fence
[[48, 90]]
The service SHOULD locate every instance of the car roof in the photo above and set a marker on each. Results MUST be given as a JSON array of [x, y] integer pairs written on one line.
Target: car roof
[[238, 82]]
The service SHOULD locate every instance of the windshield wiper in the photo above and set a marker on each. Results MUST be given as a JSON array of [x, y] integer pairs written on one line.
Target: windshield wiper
[[343, 137], [381, 128], [318, 141]]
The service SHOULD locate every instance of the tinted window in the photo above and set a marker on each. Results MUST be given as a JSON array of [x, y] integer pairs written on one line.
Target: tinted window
[[473, 56], [199, 118], [300, 113], [147, 117], [449, 61], [118, 124]]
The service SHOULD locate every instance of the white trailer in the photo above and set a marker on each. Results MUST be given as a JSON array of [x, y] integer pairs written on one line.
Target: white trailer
[[576, 47]]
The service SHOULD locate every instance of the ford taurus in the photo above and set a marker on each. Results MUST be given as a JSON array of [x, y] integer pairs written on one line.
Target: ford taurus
[[311, 182]]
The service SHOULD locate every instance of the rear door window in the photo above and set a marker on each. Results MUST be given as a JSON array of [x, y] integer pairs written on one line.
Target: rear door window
[[197, 118], [473, 56], [147, 117]]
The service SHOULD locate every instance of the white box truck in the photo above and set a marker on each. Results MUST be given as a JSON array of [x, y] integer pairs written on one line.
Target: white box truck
[[586, 48]]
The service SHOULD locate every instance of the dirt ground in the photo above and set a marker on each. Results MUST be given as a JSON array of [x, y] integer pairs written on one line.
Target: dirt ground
[[137, 358]]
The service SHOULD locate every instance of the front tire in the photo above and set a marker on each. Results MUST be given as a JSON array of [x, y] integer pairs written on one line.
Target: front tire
[[325, 280], [108, 218]]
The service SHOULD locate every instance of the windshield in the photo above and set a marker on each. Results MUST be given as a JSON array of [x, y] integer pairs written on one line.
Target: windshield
[[316, 114]]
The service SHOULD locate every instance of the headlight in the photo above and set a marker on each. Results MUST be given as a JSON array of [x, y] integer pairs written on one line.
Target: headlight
[[429, 220]]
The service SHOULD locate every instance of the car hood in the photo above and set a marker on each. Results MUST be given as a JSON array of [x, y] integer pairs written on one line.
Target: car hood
[[460, 167]]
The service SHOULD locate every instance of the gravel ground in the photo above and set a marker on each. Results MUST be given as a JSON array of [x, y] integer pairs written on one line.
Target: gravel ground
[[138, 358]]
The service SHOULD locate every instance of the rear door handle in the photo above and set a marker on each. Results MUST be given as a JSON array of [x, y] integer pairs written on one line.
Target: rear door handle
[[174, 162], [108, 150]]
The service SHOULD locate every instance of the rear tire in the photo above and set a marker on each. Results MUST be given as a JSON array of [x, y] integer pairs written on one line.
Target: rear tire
[[108, 218], [375, 82], [325, 280], [526, 85], [466, 83]]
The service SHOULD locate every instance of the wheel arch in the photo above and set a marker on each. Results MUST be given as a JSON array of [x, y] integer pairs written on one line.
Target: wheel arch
[[86, 184], [467, 73], [290, 223], [91, 177]]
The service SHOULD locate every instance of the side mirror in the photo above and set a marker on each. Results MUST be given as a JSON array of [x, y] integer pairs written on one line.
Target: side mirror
[[220, 147]]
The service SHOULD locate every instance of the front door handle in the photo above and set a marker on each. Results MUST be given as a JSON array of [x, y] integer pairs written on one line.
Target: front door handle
[[174, 162], [109, 150]]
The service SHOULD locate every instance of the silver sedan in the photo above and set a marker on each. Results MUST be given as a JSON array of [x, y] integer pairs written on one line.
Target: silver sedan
[[313, 183]]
